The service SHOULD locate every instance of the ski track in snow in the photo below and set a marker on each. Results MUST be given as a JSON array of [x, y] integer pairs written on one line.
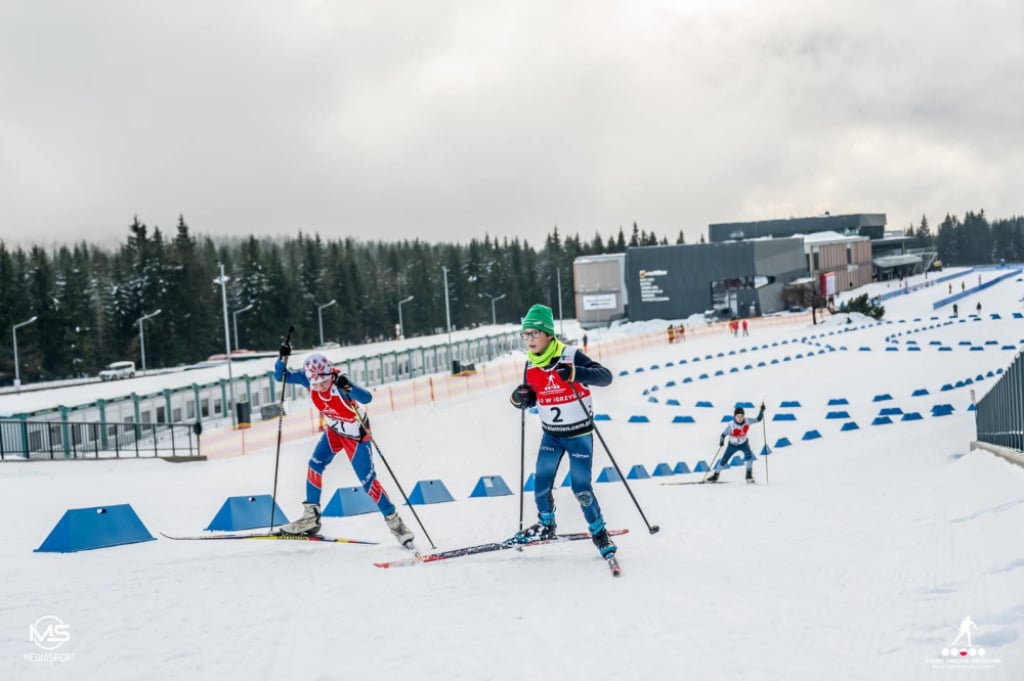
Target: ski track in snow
[[857, 560]]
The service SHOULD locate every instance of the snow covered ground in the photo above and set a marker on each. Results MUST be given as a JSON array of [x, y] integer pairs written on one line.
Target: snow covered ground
[[858, 559]]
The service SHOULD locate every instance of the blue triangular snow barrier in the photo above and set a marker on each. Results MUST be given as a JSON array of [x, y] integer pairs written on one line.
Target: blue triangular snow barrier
[[850, 425], [430, 492], [972, 408], [567, 480], [672, 403], [701, 467], [705, 403], [663, 469], [782, 442], [737, 460], [726, 417], [97, 527], [783, 416], [639, 419], [790, 404], [890, 411], [529, 486], [637, 472], [881, 421], [766, 450], [490, 486], [745, 405], [683, 419], [246, 513], [608, 474], [919, 392], [881, 398], [602, 417], [348, 501], [912, 416], [837, 415], [681, 468], [811, 435]]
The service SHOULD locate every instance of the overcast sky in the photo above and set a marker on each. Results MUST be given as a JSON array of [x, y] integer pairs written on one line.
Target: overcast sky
[[446, 120]]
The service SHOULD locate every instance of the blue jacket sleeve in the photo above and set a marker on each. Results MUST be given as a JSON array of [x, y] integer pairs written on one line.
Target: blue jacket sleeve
[[296, 377], [359, 394], [590, 372]]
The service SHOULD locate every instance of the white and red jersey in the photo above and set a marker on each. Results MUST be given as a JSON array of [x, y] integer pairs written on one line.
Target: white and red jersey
[[561, 413], [737, 432], [339, 415]]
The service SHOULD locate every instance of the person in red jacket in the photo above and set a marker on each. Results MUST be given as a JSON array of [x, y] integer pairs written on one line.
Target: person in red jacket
[[337, 399], [553, 372]]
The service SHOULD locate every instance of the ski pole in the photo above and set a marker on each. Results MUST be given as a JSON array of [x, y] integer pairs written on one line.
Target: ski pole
[[714, 460], [401, 491], [522, 454], [653, 529], [764, 434], [280, 426]]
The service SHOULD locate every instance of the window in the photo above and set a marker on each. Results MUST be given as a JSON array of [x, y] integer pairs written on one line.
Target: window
[[190, 409], [161, 414], [146, 416], [216, 406], [816, 263], [205, 404], [849, 254], [176, 414]]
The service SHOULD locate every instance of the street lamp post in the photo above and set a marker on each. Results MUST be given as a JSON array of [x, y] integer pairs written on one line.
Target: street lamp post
[[14, 332], [447, 312], [142, 335], [234, 319], [494, 299], [561, 321], [223, 281], [320, 316], [401, 328]]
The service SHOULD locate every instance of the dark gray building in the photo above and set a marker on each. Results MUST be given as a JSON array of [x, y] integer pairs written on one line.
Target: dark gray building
[[871, 225], [736, 278]]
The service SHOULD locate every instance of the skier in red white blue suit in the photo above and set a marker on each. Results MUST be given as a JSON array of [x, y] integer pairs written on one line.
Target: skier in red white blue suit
[[736, 432], [552, 372], [337, 399]]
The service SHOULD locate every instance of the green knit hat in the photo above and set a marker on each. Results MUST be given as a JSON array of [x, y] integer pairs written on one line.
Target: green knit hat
[[540, 317]]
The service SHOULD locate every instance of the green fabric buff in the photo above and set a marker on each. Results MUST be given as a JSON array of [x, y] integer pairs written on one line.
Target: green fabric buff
[[542, 360]]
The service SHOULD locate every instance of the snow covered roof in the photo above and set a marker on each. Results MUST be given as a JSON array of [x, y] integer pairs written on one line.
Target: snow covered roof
[[829, 237]]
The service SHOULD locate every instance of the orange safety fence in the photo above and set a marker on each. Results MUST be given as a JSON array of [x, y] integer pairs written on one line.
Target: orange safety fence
[[407, 395]]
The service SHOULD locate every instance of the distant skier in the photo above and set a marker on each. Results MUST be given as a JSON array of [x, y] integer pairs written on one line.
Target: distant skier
[[552, 369], [744, 325], [978, 308], [337, 399], [736, 431], [965, 630], [956, 310]]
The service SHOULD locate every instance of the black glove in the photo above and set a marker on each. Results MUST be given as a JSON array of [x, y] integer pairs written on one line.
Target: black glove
[[343, 384], [762, 409], [285, 350], [721, 442], [565, 371], [525, 396]]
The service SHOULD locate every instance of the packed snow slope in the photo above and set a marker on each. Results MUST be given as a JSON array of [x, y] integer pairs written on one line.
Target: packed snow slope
[[856, 556]]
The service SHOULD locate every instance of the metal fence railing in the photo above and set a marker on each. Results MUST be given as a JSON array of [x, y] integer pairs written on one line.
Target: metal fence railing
[[999, 415], [31, 440]]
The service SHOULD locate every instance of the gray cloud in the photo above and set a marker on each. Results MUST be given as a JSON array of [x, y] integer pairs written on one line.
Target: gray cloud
[[446, 120]]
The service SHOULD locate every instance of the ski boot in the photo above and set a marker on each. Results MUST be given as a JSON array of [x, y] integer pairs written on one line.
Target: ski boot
[[604, 543], [713, 477], [543, 530], [398, 528], [308, 524], [750, 477]]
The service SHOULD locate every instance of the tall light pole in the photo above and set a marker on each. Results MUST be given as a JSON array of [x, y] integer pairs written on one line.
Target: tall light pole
[[14, 332], [320, 316], [142, 334], [561, 322], [223, 281], [494, 299], [402, 302], [447, 312], [234, 320]]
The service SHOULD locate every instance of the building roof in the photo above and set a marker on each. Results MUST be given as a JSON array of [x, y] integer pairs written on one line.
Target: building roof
[[829, 237], [896, 260]]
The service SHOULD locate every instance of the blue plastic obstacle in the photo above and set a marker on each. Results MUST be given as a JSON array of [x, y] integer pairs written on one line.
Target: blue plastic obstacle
[[429, 492], [567, 480], [836, 401], [972, 408], [882, 398], [490, 486], [942, 410], [701, 467], [670, 384], [945, 348], [602, 417], [881, 421], [947, 386], [705, 404], [702, 377], [811, 435], [639, 419], [837, 415], [745, 405], [737, 460], [623, 373], [688, 379], [672, 402], [637, 472], [246, 513], [912, 416], [347, 501], [782, 442], [890, 411], [663, 469], [726, 417], [790, 404], [919, 392], [719, 373], [766, 450], [783, 416], [608, 474], [683, 419], [81, 529], [850, 425], [681, 468], [652, 399], [530, 485]]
